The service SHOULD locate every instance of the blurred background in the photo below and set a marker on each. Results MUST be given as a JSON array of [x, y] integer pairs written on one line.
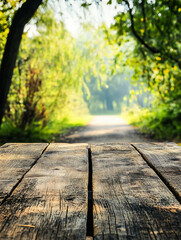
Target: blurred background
[[82, 58]]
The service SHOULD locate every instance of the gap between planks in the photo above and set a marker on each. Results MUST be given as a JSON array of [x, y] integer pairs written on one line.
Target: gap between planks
[[130, 200], [90, 231], [164, 180], [90, 202], [21, 179]]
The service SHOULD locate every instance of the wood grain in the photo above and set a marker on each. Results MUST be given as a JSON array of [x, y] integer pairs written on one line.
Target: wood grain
[[51, 201], [15, 161], [165, 159], [130, 200]]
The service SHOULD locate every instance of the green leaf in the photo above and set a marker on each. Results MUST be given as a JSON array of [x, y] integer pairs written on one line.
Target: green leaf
[[109, 2], [86, 5]]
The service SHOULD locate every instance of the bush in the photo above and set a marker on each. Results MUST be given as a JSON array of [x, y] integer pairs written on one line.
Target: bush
[[160, 122]]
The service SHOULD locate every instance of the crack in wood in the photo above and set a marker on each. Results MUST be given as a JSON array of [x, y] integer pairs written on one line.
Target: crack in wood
[[20, 180], [164, 180]]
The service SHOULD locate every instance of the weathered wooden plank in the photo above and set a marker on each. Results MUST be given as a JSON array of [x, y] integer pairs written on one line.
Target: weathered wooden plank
[[165, 159], [51, 201], [130, 200], [15, 160]]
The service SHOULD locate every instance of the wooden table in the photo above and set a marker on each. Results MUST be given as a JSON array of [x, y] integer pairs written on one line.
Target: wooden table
[[98, 191]]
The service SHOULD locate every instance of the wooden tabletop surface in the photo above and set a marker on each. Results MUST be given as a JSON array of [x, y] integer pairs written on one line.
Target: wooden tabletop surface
[[98, 191]]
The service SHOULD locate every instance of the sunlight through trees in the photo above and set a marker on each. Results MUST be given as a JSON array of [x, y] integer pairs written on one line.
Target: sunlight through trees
[[125, 59]]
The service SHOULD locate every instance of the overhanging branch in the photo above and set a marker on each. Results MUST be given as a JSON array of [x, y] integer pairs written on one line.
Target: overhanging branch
[[140, 39]]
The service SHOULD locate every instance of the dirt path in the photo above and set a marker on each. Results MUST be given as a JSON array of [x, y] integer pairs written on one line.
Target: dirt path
[[105, 129]]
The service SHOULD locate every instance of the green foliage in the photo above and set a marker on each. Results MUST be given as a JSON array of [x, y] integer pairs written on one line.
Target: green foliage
[[159, 122], [155, 25], [50, 133], [154, 29], [10, 133], [109, 96], [46, 85], [105, 85], [7, 10], [24, 105], [53, 69]]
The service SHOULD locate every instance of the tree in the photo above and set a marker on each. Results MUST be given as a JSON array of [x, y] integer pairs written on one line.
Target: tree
[[156, 26], [20, 19], [48, 77]]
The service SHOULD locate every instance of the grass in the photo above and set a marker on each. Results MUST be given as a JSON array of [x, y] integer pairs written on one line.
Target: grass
[[50, 133], [158, 123]]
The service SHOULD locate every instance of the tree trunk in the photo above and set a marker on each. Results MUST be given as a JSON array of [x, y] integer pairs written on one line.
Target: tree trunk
[[21, 17], [109, 101]]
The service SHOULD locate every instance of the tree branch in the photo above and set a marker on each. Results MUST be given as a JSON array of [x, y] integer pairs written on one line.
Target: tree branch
[[140, 39], [144, 15]]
